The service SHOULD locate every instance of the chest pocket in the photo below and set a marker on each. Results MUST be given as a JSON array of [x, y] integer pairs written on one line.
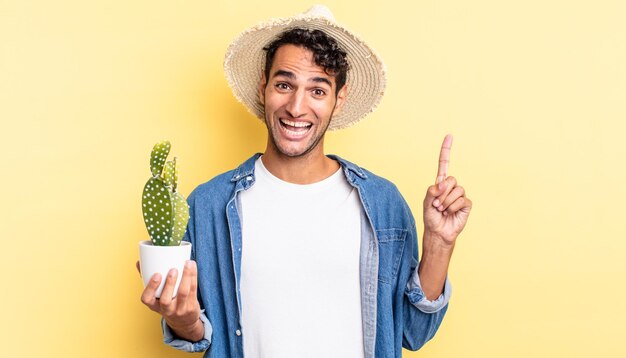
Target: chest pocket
[[390, 248]]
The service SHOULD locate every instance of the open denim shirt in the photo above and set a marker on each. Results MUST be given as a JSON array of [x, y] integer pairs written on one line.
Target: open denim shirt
[[395, 311]]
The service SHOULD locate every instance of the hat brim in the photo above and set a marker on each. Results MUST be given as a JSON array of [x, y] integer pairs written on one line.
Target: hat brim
[[366, 80]]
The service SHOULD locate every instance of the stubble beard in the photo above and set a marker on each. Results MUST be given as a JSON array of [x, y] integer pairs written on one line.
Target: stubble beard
[[271, 133]]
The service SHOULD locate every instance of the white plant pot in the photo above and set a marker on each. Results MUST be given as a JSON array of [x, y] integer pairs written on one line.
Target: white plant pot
[[161, 259]]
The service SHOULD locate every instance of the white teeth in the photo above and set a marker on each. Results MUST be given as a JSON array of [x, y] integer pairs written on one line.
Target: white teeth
[[296, 124], [293, 132]]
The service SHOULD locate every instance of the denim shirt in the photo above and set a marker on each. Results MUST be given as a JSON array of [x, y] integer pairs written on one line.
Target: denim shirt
[[395, 311]]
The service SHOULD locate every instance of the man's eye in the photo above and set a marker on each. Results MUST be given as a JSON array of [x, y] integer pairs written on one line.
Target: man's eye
[[319, 92], [282, 86]]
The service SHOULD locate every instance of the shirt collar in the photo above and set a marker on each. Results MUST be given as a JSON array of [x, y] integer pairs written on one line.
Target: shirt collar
[[247, 167]]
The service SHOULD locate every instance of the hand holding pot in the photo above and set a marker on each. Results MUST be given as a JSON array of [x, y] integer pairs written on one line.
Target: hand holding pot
[[181, 313]]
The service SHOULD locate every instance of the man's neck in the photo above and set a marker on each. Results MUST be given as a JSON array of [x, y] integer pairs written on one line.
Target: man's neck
[[307, 169]]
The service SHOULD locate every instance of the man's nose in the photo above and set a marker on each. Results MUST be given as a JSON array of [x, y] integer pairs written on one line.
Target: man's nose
[[296, 107]]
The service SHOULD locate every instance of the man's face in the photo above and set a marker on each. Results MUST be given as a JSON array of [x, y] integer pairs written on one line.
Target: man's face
[[299, 98]]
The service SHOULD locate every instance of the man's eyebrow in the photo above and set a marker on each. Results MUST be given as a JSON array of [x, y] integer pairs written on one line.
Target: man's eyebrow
[[287, 74], [292, 76], [322, 80]]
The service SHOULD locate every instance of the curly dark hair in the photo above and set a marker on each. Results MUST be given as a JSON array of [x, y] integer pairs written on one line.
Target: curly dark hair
[[326, 52]]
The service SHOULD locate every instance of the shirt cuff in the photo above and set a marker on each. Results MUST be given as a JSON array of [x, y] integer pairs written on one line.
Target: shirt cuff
[[418, 298], [172, 340]]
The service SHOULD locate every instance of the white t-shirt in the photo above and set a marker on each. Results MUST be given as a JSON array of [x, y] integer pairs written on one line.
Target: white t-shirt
[[300, 290]]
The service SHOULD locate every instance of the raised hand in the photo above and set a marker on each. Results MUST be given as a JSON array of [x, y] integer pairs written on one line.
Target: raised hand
[[182, 313], [446, 208]]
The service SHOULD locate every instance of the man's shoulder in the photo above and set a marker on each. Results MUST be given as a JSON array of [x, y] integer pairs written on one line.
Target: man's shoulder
[[217, 183], [382, 191], [383, 198], [379, 180], [364, 177], [220, 188]]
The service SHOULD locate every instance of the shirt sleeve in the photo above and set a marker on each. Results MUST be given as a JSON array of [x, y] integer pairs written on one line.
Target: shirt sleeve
[[174, 341], [418, 298]]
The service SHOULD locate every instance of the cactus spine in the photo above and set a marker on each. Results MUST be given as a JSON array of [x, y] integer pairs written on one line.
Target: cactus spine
[[165, 210]]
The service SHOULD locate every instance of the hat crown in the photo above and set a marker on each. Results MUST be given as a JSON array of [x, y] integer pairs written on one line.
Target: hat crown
[[318, 10]]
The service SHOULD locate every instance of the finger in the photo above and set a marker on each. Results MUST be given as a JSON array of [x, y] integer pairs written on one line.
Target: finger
[[467, 207], [433, 192], [193, 291], [148, 297], [444, 159], [458, 204], [185, 284], [138, 267], [450, 183], [456, 193], [167, 301]]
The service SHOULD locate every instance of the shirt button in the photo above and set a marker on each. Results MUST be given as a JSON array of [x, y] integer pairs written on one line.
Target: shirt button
[[248, 178], [238, 332]]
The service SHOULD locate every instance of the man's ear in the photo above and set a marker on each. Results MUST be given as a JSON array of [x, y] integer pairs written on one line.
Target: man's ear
[[341, 99], [262, 84]]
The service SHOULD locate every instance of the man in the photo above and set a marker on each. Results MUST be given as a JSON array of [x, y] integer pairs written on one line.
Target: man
[[296, 253]]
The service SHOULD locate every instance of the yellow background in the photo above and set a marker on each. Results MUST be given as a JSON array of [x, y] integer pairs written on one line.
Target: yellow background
[[534, 93]]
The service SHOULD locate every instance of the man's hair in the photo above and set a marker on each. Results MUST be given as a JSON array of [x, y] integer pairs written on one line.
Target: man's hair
[[326, 52]]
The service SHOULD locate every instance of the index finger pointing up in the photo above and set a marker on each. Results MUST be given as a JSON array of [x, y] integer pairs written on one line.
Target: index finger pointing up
[[444, 159]]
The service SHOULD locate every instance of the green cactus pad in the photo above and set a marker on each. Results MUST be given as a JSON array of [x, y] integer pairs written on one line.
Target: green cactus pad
[[158, 211], [175, 176], [169, 173], [158, 157], [181, 217], [165, 211]]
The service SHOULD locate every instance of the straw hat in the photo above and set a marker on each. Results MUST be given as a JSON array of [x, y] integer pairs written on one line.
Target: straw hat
[[245, 62]]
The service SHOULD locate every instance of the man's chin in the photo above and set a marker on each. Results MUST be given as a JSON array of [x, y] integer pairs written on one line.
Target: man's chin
[[294, 153]]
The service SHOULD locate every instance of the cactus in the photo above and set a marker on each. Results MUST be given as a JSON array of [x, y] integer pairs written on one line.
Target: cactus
[[165, 210]]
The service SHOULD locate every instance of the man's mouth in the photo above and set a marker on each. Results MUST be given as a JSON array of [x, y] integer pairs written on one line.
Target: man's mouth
[[295, 128]]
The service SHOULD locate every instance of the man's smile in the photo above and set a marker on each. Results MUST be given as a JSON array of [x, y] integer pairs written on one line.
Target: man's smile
[[295, 129]]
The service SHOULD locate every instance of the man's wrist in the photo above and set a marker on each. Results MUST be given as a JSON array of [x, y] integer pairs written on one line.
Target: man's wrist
[[437, 245], [433, 267], [193, 332]]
